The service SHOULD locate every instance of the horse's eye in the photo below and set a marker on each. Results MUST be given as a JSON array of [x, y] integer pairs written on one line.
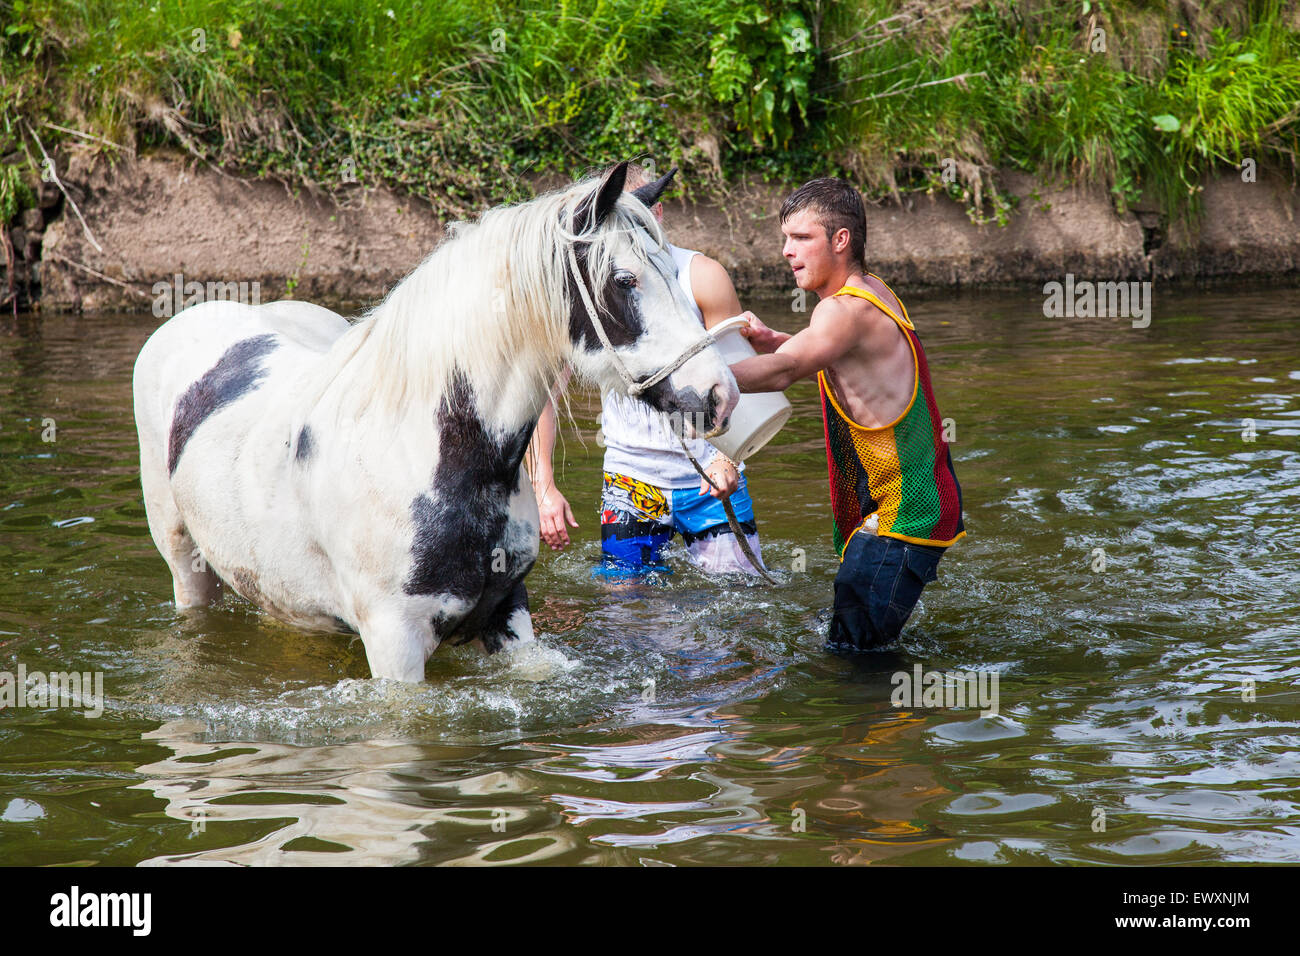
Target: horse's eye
[[624, 280]]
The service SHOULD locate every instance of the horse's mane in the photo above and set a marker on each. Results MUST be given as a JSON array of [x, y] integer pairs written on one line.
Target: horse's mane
[[492, 297]]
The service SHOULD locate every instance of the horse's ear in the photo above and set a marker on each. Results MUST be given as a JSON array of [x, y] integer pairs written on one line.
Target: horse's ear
[[591, 212], [650, 192]]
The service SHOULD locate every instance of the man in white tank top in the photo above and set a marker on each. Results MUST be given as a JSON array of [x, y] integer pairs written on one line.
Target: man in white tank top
[[651, 490]]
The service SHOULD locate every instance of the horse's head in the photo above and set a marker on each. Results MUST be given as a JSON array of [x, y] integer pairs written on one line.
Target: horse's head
[[625, 274]]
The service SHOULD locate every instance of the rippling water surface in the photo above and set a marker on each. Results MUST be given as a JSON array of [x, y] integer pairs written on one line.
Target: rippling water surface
[[1149, 709]]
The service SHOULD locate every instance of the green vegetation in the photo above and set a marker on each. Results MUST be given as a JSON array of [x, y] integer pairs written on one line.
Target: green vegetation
[[14, 194], [460, 101], [1122, 94]]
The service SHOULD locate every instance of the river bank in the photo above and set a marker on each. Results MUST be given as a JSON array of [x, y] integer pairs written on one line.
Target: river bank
[[150, 220]]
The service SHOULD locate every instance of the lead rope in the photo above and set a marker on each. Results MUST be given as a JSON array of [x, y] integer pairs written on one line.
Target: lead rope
[[741, 538]]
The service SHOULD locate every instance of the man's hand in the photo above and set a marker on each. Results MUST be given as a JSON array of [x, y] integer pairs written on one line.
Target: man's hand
[[760, 336], [554, 511], [723, 474]]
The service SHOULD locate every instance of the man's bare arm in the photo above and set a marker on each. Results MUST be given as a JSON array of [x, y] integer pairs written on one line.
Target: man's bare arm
[[553, 508], [541, 450], [830, 334], [717, 300], [713, 290]]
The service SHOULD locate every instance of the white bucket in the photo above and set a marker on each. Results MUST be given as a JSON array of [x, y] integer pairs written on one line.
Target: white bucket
[[758, 415]]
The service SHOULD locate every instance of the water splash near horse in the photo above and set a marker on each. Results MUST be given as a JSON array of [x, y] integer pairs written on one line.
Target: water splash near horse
[[369, 477]]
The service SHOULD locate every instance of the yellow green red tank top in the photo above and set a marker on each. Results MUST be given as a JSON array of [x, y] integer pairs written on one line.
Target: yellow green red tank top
[[902, 472]]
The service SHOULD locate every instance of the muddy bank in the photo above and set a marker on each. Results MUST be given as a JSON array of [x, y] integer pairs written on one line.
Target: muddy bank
[[160, 217]]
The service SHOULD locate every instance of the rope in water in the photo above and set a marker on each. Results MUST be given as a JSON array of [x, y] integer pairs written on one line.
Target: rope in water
[[741, 538]]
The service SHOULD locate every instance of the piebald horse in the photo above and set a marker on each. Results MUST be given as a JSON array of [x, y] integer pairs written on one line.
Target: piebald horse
[[368, 477]]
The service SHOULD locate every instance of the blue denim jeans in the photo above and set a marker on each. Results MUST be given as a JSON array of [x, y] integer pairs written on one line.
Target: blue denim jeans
[[878, 585]]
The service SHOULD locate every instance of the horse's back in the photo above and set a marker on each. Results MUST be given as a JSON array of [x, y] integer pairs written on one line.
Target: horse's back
[[210, 356], [311, 326], [215, 326], [193, 341]]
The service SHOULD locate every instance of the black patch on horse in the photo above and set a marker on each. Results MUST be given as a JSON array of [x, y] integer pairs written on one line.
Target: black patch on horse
[[701, 410], [304, 449], [494, 624], [236, 373], [621, 319], [488, 619], [460, 523]]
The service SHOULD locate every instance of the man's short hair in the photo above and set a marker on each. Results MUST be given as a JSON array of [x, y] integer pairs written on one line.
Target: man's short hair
[[637, 175], [837, 204]]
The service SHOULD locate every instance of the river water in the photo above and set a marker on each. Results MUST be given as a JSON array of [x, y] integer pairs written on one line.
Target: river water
[[1148, 708]]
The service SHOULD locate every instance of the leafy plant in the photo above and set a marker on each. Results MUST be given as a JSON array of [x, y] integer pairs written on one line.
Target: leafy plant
[[15, 195], [762, 62]]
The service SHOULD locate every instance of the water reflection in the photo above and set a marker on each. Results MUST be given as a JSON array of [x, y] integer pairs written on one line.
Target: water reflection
[[705, 784], [357, 803], [344, 812]]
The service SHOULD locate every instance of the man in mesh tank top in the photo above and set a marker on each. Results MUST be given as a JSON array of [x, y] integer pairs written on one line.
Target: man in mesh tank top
[[895, 498]]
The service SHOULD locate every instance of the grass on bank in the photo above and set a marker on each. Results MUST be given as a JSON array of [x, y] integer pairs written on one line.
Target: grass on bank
[[459, 101]]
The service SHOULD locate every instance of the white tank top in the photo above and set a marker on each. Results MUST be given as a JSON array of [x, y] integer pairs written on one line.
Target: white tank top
[[639, 441]]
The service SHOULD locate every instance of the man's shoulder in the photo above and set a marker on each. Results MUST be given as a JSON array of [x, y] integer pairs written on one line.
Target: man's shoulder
[[705, 269], [715, 296], [846, 306], [849, 306]]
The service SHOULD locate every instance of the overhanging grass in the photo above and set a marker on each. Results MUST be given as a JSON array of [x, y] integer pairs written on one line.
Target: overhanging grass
[[1049, 102], [455, 100]]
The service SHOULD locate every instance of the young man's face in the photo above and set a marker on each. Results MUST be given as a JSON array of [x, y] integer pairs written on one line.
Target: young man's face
[[812, 256]]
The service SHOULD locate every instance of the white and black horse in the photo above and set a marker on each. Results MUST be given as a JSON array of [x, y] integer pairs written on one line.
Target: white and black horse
[[368, 477]]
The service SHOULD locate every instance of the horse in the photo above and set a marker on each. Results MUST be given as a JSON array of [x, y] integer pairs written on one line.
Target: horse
[[368, 477]]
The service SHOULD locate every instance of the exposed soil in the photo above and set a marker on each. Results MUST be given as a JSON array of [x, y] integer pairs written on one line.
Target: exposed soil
[[161, 215]]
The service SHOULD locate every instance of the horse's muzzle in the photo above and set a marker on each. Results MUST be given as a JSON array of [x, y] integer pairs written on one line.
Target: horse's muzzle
[[718, 412], [700, 415]]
